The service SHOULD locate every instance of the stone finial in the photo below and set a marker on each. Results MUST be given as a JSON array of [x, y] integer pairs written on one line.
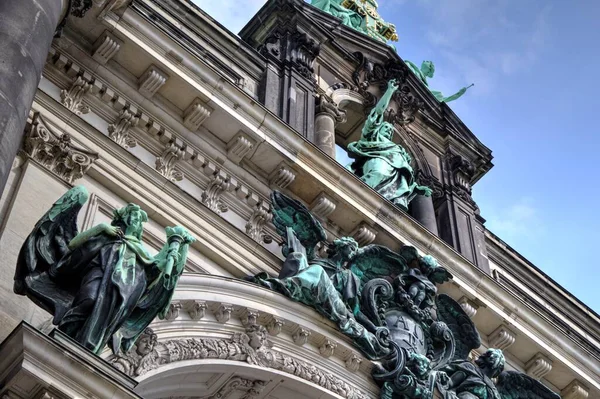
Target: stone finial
[[502, 338], [239, 146], [575, 390], [323, 205], [538, 366], [275, 325], [105, 47], [468, 306], [56, 152], [223, 312], [196, 309], [353, 363], [72, 98], [166, 162], [195, 114], [364, 234], [119, 130], [327, 348], [151, 81], [282, 176], [301, 335]]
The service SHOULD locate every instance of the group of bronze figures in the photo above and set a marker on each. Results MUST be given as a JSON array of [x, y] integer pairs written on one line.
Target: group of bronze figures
[[104, 288]]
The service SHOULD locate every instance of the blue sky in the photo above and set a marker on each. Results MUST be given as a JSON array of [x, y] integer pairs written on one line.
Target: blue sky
[[535, 65]]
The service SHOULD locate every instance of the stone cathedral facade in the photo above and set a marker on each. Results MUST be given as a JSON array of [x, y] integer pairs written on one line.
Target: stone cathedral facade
[[156, 103]]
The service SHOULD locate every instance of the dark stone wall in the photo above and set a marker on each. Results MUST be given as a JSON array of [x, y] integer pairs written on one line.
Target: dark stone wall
[[26, 31]]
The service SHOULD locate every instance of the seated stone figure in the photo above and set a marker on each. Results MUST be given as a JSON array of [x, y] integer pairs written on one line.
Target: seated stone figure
[[381, 163]]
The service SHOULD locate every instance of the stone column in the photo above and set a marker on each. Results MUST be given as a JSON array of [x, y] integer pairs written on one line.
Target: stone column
[[327, 115], [26, 31], [422, 209]]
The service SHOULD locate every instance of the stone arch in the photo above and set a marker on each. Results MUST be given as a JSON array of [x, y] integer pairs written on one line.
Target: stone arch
[[224, 379]]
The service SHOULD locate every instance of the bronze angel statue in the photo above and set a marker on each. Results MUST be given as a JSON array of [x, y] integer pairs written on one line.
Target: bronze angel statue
[[101, 285], [333, 285], [462, 379]]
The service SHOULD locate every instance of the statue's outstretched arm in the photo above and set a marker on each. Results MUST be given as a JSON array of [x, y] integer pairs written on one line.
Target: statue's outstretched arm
[[376, 115], [92, 232], [458, 94]]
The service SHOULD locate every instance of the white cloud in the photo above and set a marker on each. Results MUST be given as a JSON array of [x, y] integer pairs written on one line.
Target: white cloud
[[231, 13], [517, 222]]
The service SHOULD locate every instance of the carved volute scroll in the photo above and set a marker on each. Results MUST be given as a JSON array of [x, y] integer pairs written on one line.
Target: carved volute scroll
[[56, 151]]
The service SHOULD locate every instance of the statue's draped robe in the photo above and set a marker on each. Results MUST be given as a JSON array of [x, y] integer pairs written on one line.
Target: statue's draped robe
[[476, 385], [109, 274], [384, 165]]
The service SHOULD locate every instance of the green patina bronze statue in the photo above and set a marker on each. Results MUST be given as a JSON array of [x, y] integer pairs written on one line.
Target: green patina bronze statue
[[381, 163], [101, 285], [360, 15], [426, 71]]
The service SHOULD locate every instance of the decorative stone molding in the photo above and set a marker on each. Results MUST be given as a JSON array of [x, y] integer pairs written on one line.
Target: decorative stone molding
[[151, 81], [260, 216], [211, 197], [303, 54], [73, 97], [195, 115], [105, 47], [173, 311], [364, 234], [538, 366], [282, 176], [196, 309], [167, 161], [353, 363], [327, 348], [239, 146], [250, 347], [323, 205], [251, 388], [325, 105], [575, 390], [119, 131], [251, 317], [275, 325], [468, 306], [223, 312], [502, 338], [56, 152], [301, 335], [462, 173]]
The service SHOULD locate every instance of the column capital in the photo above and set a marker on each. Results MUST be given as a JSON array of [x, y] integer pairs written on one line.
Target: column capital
[[326, 106]]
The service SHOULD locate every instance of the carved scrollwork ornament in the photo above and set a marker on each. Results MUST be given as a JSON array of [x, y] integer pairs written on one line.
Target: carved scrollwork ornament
[[76, 8]]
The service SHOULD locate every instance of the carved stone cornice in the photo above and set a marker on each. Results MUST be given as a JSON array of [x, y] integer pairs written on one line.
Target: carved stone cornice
[[538, 366], [261, 215], [468, 306], [324, 105], [195, 309], [72, 98], [251, 388], [239, 146], [56, 152], [323, 205], [119, 130], [502, 338], [575, 390], [195, 114], [364, 234], [105, 47], [462, 172], [282, 176], [211, 197], [151, 81], [167, 161]]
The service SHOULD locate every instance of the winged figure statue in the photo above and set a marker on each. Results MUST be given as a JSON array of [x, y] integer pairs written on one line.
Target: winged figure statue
[[101, 285], [462, 379]]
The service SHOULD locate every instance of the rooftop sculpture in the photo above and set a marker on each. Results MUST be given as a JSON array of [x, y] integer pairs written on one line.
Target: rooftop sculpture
[[360, 15], [379, 162], [426, 71], [387, 302], [101, 285]]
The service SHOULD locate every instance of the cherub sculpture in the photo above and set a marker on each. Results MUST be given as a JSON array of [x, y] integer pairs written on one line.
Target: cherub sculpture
[[379, 162], [423, 281], [101, 285], [426, 71], [331, 285], [461, 379]]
